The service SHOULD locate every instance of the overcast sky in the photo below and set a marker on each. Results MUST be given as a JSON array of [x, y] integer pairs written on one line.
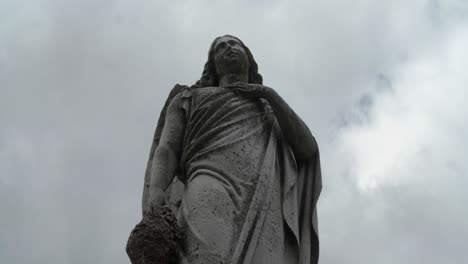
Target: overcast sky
[[381, 84]]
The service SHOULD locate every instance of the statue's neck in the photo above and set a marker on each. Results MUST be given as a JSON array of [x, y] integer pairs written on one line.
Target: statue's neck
[[229, 79]]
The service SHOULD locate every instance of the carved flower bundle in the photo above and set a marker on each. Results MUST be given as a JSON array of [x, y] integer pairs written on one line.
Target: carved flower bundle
[[156, 239]]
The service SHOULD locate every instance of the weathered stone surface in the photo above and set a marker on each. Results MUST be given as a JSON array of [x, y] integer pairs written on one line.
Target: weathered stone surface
[[248, 169], [156, 239]]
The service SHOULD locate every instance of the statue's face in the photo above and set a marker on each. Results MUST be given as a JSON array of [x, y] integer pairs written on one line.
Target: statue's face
[[230, 57]]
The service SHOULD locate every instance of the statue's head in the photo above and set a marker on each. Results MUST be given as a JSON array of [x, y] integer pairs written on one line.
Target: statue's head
[[228, 55]]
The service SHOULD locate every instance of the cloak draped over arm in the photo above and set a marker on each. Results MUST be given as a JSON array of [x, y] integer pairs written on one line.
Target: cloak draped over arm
[[302, 188], [309, 185]]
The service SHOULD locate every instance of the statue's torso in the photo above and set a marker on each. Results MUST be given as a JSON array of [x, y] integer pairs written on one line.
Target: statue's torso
[[233, 194], [225, 131]]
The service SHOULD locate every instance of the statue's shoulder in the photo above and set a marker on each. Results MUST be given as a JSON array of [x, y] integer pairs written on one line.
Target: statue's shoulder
[[178, 88], [179, 91]]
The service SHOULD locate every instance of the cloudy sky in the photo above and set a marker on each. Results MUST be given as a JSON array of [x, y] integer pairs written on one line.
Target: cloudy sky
[[380, 83]]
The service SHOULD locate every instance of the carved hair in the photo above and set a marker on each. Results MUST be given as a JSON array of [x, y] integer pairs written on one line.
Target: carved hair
[[210, 76]]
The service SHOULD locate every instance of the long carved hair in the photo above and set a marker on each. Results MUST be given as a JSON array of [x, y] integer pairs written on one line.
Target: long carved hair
[[210, 76]]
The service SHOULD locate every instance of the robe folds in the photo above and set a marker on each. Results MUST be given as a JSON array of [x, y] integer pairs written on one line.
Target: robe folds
[[246, 199]]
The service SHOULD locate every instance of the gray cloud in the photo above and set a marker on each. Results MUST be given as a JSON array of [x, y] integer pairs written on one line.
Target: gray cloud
[[82, 84]]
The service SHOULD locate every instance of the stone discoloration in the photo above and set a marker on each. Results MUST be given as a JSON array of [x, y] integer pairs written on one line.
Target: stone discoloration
[[249, 166], [157, 239]]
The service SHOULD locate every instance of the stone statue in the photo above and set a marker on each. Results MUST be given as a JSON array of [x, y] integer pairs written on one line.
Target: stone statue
[[249, 165]]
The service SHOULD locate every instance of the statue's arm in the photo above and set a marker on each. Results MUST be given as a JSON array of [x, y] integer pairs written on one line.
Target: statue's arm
[[157, 136], [167, 154], [297, 133]]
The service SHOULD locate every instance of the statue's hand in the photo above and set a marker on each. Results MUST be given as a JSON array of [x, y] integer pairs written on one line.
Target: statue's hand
[[250, 90], [156, 199]]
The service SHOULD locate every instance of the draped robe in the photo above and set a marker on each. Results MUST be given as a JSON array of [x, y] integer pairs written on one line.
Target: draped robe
[[246, 198]]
